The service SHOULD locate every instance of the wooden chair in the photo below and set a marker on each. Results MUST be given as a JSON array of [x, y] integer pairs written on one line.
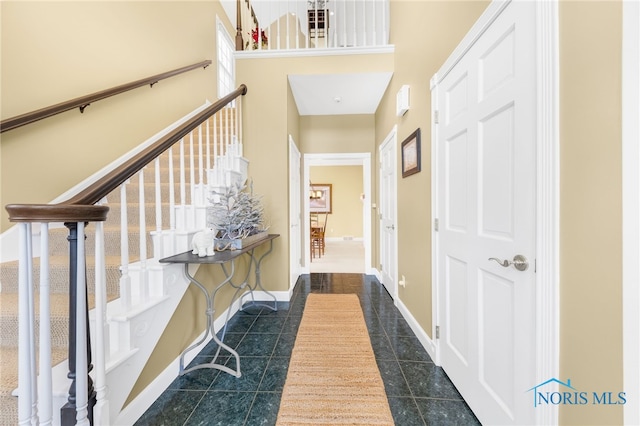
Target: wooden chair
[[318, 229]]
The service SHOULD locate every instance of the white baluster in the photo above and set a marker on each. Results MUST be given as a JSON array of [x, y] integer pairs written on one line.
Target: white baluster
[[385, 22], [46, 386], [287, 42], [172, 204], [364, 23], [355, 23], [239, 118], [183, 192], [101, 340], [208, 150], [215, 139], [32, 327], [201, 165], [279, 34], [159, 237], [25, 329], [125, 279], [192, 181], [227, 128], [82, 396], [144, 288]]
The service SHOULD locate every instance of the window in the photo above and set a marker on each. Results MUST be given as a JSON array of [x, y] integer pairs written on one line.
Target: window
[[226, 67]]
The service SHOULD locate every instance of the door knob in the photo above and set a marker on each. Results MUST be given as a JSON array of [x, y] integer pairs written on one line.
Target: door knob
[[519, 262], [392, 227]]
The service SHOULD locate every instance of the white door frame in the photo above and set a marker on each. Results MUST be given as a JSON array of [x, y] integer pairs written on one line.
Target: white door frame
[[295, 240], [340, 159], [547, 304], [631, 208]]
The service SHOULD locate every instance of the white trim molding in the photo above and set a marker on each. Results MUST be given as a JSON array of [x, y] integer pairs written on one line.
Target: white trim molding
[[631, 208], [547, 203]]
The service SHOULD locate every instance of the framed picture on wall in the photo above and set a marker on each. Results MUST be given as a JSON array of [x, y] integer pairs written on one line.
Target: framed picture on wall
[[411, 154], [320, 198]]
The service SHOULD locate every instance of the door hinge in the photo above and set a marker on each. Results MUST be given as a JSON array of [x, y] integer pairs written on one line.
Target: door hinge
[[436, 117], [436, 224], [437, 331], [381, 266]]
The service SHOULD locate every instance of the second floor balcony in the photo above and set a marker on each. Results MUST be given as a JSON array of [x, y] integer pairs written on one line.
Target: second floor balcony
[[266, 25]]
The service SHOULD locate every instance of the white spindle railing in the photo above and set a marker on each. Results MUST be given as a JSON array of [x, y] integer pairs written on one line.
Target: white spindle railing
[[36, 403], [333, 24]]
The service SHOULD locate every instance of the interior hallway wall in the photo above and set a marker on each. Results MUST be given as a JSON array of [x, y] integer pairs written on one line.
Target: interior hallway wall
[[345, 219]]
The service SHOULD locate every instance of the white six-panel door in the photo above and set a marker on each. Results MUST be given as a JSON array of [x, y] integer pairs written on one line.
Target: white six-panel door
[[486, 198]]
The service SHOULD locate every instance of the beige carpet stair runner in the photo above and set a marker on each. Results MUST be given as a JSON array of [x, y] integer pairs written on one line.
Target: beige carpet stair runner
[[333, 378]]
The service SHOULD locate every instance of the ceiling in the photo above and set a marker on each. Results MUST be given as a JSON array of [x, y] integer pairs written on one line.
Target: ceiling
[[339, 94]]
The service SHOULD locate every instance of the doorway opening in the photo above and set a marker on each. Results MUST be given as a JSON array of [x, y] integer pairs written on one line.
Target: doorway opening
[[347, 236]]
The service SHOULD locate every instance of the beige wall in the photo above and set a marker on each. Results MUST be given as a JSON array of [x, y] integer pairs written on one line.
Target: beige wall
[[338, 134], [268, 109], [590, 205], [442, 25], [56, 51], [346, 182]]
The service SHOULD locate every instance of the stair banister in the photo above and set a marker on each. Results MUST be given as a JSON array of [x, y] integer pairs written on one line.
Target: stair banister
[[75, 213], [84, 101], [82, 206]]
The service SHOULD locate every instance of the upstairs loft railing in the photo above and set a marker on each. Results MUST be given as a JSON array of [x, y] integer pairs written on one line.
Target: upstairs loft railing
[[84, 101], [89, 401], [277, 25]]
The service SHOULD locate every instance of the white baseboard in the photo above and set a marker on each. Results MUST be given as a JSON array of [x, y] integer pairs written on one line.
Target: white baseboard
[[344, 239], [425, 340], [263, 296]]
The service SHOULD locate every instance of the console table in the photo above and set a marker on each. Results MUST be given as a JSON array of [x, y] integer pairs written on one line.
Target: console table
[[224, 259]]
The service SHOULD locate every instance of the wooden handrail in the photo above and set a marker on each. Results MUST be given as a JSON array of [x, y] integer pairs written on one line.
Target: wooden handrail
[[81, 206], [84, 101]]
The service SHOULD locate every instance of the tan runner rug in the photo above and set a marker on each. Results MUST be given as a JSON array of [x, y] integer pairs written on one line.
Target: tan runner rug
[[333, 377]]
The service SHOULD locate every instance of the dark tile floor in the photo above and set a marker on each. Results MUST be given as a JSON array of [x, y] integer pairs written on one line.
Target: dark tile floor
[[419, 393]]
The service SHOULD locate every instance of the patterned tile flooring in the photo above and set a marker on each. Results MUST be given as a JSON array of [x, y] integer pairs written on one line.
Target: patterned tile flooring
[[419, 392]]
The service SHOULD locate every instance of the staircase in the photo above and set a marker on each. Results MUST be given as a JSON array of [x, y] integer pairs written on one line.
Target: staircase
[[167, 200]]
